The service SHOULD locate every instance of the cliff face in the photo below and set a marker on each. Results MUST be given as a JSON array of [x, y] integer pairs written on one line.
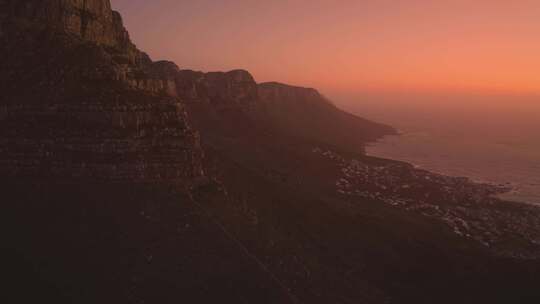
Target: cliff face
[[73, 61], [91, 20], [80, 101], [298, 112], [305, 113], [233, 89], [273, 92]]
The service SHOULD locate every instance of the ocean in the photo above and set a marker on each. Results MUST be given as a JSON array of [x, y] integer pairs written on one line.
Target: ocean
[[495, 142]]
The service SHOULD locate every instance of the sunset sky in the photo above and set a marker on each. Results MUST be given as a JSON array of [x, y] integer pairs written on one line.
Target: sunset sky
[[348, 46]]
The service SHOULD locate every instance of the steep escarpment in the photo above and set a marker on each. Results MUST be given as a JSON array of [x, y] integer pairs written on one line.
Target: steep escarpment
[[308, 114], [72, 63], [298, 112], [223, 90], [91, 20], [80, 101]]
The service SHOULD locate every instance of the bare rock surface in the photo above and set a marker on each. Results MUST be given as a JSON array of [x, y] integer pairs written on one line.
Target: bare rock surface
[[80, 101]]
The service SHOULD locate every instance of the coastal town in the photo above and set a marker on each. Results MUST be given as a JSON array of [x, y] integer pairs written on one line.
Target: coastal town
[[472, 210]]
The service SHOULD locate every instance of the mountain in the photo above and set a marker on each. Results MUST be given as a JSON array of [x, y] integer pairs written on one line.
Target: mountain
[[295, 111], [310, 115], [80, 101], [131, 181]]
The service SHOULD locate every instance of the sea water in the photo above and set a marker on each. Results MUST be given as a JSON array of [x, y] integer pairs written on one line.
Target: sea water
[[493, 143]]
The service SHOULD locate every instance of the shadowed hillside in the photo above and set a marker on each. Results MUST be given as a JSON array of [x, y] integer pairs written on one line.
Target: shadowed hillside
[[308, 114]]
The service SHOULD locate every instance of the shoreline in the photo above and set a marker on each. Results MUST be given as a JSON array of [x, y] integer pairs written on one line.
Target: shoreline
[[509, 190], [471, 210], [474, 208]]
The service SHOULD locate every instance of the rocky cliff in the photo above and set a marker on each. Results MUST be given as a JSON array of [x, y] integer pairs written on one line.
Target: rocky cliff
[[305, 113], [79, 100], [72, 61], [296, 111], [233, 89], [91, 20]]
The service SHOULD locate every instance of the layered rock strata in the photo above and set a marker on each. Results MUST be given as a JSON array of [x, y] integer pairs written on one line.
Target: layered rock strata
[[80, 101], [102, 108]]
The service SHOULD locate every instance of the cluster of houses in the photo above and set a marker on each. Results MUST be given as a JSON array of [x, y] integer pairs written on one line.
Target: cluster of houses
[[470, 209]]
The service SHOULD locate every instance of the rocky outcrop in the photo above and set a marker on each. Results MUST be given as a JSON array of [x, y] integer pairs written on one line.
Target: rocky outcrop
[[192, 85], [157, 77], [274, 92], [79, 101], [233, 89], [99, 141], [91, 20]]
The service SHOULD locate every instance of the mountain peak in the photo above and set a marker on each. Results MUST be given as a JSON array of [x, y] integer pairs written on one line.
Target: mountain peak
[[89, 20], [272, 91]]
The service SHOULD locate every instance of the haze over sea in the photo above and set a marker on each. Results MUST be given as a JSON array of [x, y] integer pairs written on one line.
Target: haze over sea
[[493, 139]]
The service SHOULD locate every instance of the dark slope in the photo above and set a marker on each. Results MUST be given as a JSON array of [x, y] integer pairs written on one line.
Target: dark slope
[[74, 243], [281, 202]]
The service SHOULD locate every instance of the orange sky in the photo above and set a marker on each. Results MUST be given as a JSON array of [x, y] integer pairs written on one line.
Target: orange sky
[[348, 46]]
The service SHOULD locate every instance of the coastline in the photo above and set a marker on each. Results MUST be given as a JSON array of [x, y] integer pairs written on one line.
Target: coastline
[[471, 209], [510, 190]]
